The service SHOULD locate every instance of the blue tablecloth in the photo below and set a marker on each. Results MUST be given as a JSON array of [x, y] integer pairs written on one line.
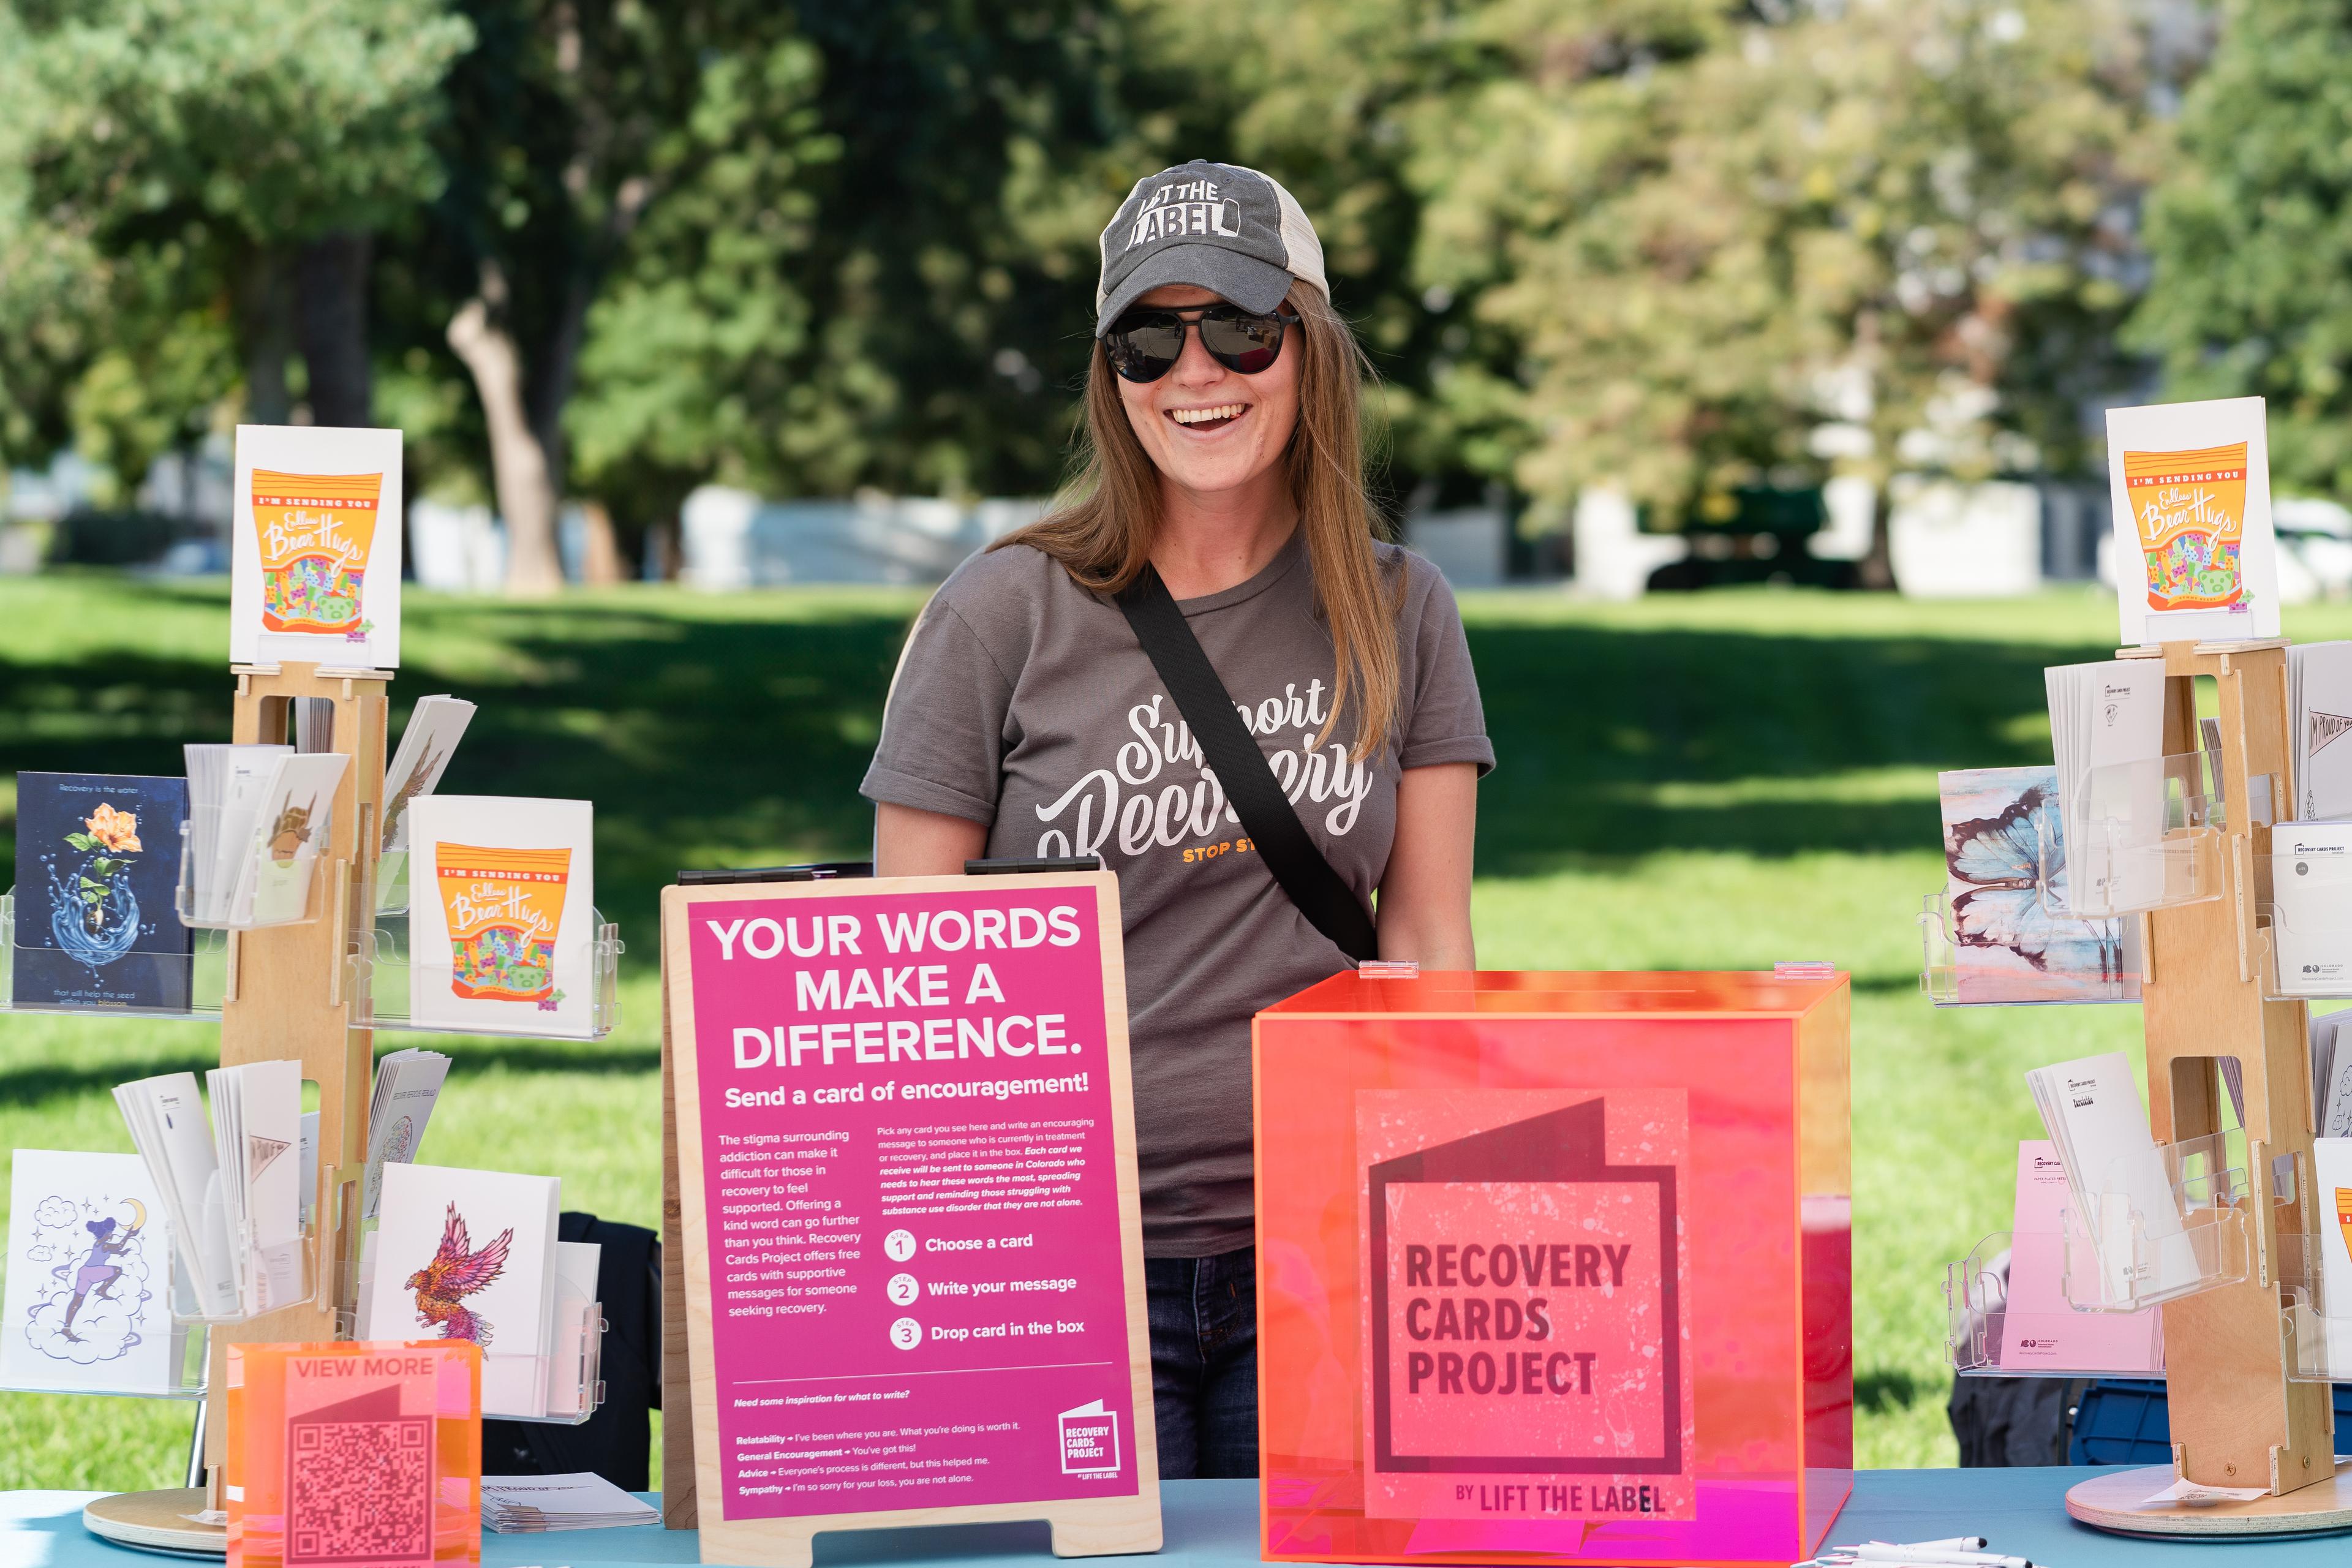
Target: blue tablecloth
[[1216, 1522]]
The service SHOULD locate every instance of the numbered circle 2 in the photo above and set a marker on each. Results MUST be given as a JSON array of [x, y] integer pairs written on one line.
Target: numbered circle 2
[[899, 1245], [905, 1333], [903, 1290]]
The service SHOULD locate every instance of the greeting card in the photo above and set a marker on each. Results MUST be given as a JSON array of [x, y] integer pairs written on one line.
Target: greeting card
[[87, 1303], [98, 867], [2003, 844], [315, 546], [501, 923], [470, 1255], [2195, 557]]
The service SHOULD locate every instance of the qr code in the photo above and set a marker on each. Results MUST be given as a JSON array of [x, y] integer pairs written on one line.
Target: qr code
[[360, 1491]]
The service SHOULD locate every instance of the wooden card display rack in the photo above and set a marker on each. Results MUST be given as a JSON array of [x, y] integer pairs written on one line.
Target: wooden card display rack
[[287, 995]]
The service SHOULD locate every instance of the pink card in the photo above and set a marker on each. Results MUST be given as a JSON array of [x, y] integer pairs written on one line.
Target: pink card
[[2040, 1332]]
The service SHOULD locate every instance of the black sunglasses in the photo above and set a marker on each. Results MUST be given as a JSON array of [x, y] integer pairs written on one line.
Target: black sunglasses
[[1145, 346]]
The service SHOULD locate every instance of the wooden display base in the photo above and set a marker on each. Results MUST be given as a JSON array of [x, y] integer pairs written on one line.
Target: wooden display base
[[2117, 1504], [157, 1521]]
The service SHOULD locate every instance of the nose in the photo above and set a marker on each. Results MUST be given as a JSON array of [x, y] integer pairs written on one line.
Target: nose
[[1195, 367]]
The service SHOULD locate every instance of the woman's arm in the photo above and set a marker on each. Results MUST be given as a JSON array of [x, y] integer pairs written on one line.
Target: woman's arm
[[1425, 895], [910, 843]]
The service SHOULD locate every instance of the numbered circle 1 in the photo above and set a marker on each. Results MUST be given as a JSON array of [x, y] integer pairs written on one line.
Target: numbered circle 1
[[905, 1333], [903, 1290], [899, 1245]]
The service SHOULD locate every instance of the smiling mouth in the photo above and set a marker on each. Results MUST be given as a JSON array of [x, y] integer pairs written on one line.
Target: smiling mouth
[[1206, 420]]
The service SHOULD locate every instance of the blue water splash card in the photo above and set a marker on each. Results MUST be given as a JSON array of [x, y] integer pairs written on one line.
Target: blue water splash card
[[98, 864]]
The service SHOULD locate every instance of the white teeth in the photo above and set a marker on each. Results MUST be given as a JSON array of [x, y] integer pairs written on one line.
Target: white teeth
[[1201, 415]]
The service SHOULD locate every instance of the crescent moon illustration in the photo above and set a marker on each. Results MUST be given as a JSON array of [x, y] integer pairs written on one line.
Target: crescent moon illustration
[[138, 1213]]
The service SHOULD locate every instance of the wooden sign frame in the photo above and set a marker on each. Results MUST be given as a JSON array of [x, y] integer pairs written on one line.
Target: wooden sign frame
[[1127, 1523]]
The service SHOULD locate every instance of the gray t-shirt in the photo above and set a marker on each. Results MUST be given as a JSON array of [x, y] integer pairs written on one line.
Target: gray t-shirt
[[1024, 703]]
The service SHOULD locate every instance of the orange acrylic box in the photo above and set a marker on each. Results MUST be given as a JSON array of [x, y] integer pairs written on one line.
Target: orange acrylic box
[[1554, 1268]]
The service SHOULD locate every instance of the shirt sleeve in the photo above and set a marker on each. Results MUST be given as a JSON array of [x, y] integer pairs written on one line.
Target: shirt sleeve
[[1447, 724], [942, 746]]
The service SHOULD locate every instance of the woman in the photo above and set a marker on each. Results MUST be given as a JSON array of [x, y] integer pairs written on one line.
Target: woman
[[1026, 720]]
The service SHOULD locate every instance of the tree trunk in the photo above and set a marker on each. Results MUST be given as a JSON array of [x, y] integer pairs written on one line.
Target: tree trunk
[[331, 315], [519, 471], [602, 563], [265, 329], [1876, 571]]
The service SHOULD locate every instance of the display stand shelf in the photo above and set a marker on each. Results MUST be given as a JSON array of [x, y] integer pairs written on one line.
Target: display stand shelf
[[291, 891], [183, 1379], [572, 1374], [2122, 1258], [1987, 1336], [2150, 837], [377, 977], [1949, 982]]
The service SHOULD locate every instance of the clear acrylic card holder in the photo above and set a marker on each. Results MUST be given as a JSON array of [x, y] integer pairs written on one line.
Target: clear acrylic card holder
[[2140, 835], [2308, 917], [2157, 1228], [563, 1388], [385, 972], [174, 973], [273, 1276], [275, 879], [2315, 1311], [2022, 957]]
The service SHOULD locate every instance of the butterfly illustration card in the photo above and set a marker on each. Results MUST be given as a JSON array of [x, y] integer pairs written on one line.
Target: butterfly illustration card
[[2195, 557], [501, 914], [470, 1255], [2007, 944], [86, 1304]]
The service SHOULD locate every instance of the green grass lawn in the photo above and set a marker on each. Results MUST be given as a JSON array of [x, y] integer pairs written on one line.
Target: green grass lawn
[[1709, 782]]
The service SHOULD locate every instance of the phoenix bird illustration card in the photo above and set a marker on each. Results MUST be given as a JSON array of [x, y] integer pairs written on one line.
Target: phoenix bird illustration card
[[470, 1255], [87, 1300], [501, 918], [315, 546], [98, 864], [2006, 945], [354, 1454]]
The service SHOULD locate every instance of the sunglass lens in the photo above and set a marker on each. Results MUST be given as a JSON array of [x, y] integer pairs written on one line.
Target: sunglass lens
[[1143, 348], [1242, 343]]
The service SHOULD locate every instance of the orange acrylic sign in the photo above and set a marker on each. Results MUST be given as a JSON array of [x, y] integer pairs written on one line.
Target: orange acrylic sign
[[504, 907], [315, 531], [2190, 511], [1554, 1268], [349, 1453]]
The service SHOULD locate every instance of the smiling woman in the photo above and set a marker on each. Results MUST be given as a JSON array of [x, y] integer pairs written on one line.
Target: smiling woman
[[1220, 511]]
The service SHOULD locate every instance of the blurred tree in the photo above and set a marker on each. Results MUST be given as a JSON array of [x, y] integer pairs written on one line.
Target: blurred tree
[[254, 147], [2250, 230], [1742, 243]]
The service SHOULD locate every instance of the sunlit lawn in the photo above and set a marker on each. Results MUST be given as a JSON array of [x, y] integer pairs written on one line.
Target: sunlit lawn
[[1717, 781]]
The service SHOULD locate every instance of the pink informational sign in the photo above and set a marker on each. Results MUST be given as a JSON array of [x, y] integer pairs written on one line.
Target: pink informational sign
[[1526, 1318], [901, 1131]]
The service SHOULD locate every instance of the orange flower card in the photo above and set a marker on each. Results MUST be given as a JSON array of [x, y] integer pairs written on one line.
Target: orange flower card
[[316, 546], [2194, 556], [347, 1454]]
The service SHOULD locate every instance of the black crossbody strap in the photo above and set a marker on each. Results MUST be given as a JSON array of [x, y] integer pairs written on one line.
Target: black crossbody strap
[[1282, 842]]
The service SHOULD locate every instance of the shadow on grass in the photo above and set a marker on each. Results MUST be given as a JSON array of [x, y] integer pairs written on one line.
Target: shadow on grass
[[1882, 1392], [736, 732]]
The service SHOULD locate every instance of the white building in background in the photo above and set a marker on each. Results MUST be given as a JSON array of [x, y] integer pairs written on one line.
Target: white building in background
[[732, 539]]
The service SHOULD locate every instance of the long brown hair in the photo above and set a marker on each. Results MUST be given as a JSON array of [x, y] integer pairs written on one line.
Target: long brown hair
[[1101, 529]]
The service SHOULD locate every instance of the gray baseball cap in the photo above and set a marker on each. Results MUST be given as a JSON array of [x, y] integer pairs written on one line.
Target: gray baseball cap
[[1218, 227]]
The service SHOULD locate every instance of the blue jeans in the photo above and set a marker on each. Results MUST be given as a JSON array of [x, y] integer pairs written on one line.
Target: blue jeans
[[1204, 1313]]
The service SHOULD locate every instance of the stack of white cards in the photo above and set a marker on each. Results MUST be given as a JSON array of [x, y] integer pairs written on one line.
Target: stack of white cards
[[584, 1500], [2311, 907], [2319, 689], [2122, 1194], [2106, 732], [434, 727], [2331, 1079], [473, 1255], [258, 817], [407, 1084], [232, 1189]]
